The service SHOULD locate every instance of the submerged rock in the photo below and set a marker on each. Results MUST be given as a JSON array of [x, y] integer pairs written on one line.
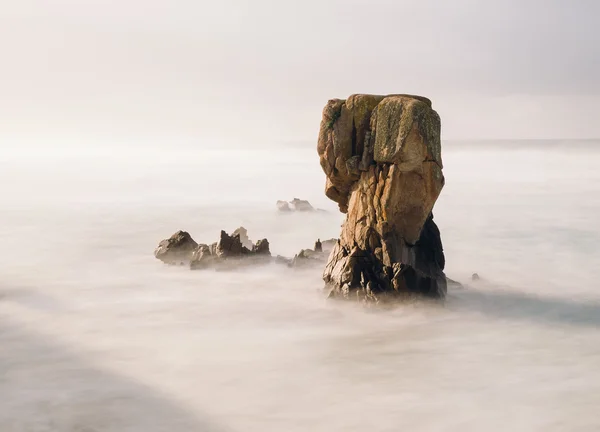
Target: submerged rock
[[389, 245], [177, 249]]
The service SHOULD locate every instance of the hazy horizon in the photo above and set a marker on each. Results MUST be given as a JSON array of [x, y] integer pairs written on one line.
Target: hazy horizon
[[262, 71]]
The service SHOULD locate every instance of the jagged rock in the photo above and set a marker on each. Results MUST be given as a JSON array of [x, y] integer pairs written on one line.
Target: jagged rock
[[262, 248], [389, 244], [227, 254], [318, 246], [243, 233], [202, 257], [229, 246], [177, 249]]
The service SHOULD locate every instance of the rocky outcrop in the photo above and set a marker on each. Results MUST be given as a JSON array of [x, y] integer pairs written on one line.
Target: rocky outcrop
[[228, 252], [177, 249], [243, 233], [382, 159]]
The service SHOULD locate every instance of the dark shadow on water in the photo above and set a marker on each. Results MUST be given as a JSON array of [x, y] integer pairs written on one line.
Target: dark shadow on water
[[512, 304], [47, 387]]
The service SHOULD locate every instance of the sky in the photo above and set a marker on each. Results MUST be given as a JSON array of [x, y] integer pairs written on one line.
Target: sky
[[262, 70]]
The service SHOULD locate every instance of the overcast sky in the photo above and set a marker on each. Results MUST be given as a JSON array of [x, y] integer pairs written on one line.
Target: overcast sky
[[263, 69]]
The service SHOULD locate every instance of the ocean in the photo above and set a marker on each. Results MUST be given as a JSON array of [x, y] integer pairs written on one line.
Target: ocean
[[96, 335]]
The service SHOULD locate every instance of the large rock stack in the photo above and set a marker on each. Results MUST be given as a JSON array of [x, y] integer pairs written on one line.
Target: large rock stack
[[382, 158]]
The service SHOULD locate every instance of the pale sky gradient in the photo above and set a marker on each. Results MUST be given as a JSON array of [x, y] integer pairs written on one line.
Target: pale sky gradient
[[262, 70]]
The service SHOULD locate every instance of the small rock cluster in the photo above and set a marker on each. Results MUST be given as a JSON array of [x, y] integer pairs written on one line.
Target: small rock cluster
[[233, 251], [182, 249]]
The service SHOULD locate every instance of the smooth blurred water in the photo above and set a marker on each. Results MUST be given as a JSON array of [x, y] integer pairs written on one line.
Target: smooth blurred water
[[97, 335]]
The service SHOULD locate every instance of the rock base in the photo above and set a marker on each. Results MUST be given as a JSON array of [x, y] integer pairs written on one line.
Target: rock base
[[358, 274]]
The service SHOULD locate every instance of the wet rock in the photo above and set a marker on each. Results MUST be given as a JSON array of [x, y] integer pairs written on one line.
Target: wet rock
[[389, 245], [177, 249]]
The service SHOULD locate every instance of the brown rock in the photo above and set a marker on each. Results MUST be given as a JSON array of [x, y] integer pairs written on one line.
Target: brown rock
[[229, 246], [262, 248], [382, 158], [202, 258], [177, 249]]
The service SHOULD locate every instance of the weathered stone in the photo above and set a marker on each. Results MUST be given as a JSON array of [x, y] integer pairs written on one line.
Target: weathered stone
[[202, 258], [177, 249], [229, 246], [227, 254], [389, 243], [262, 247]]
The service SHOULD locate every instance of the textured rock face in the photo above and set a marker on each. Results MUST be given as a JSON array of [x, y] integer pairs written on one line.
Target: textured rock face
[[177, 249], [382, 158], [228, 253]]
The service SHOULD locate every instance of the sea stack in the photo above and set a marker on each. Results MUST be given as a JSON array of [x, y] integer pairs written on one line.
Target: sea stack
[[382, 159]]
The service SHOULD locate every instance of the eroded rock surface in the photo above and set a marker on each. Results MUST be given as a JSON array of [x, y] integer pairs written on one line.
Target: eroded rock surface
[[382, 159], [177, 249], [227, 253]]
